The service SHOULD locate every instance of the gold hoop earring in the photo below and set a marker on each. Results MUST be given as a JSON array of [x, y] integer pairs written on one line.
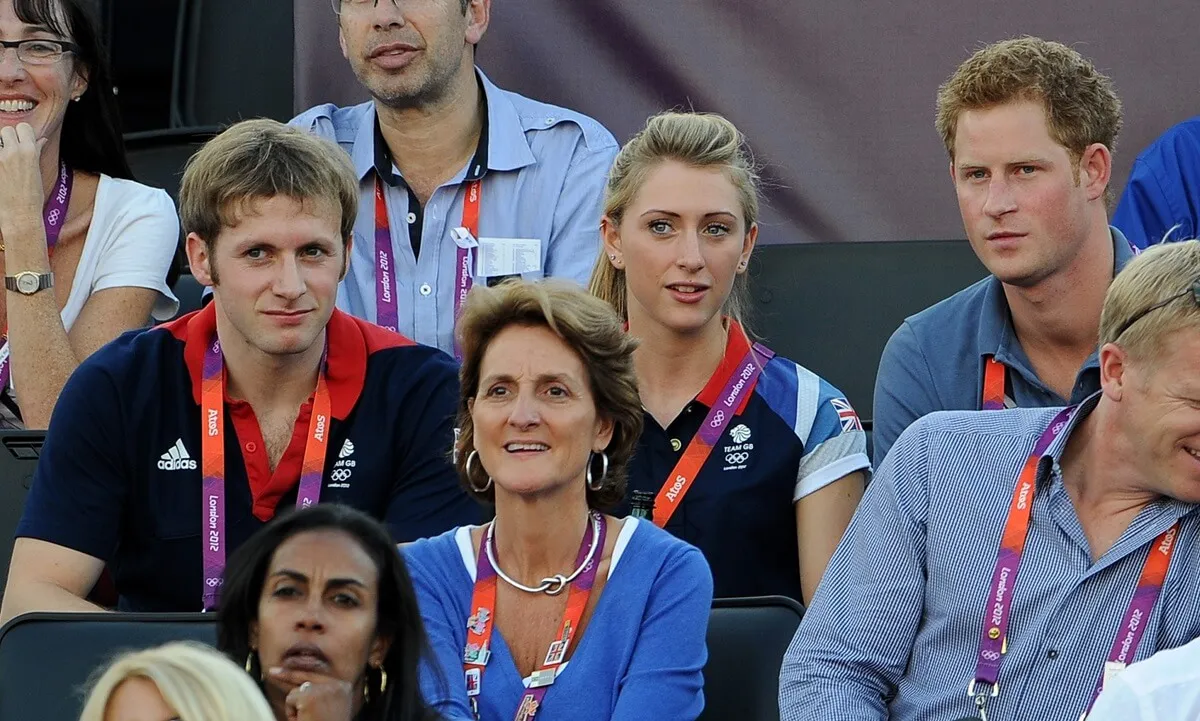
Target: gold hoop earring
[[382, 680], [249, 665]]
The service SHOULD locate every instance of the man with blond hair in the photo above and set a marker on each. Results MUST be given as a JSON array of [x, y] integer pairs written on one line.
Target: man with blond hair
[[1030, 127], [922, 613], [170, 447]]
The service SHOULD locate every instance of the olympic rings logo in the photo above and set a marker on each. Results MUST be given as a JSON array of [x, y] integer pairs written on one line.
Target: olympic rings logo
[[340, 475], [717, 420], [737, 458]]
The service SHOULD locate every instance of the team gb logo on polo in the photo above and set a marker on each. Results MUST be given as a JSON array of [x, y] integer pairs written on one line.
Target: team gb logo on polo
[[737, 456]]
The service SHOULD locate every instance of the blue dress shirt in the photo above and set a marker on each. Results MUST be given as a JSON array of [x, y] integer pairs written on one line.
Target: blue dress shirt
[[543, 171], [935, 359], [1162, 198], [893, 630]]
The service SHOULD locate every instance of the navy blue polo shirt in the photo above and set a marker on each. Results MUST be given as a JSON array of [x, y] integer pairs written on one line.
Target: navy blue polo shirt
[[119, 477], [793, 434], [935, 360]]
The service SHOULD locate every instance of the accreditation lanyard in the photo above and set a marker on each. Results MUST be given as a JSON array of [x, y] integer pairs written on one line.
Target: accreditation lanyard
[[481, 623], [212, 423], [738, 382], [386, 306], [53, 216], [993, 643], [994, 377]]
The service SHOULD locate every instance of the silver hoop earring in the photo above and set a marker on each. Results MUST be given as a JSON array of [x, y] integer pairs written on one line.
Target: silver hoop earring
[[474, 456], [592, 485]]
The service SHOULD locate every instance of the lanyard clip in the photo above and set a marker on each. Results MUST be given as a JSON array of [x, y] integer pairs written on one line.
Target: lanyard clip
[[981, 695], [463, 238]]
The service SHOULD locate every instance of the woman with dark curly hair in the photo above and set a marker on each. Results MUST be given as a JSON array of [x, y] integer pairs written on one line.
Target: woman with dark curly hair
[[549, 417]]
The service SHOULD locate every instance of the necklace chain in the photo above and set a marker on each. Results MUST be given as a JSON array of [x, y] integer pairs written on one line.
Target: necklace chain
[[553, 585]]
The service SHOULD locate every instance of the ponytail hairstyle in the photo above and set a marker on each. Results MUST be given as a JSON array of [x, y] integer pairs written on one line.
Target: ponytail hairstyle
[[701, 140]]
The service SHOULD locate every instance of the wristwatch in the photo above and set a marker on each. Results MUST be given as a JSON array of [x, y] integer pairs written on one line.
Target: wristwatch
[[28, 282]]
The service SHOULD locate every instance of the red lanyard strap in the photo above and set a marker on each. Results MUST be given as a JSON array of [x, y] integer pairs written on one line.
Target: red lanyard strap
[[738, 383], [481, 623], [212, 453], [993, 643], [387, 312], [54, 215], [994, 376]]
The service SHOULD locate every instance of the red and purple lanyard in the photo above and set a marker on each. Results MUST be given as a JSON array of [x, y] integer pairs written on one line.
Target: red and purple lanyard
[[53, 215], [387, 313], [737, 384], [993, 643], [212, 454], [994, 377], [482, 621]]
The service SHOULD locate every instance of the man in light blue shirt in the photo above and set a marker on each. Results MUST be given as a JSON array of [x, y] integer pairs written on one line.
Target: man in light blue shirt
[[436, 130], [1091, 504], [1031, 169]]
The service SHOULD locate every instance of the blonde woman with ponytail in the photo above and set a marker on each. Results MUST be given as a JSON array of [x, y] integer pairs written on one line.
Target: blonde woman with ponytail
[[752, 458]]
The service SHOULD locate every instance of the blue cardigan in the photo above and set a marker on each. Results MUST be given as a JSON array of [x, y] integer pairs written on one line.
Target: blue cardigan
[[640, 657]]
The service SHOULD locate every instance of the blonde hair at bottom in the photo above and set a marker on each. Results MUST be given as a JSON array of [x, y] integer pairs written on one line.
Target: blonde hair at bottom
[[196, 681]]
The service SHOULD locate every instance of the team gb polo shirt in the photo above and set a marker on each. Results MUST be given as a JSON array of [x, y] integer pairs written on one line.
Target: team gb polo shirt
[[792, 435], [119, 477]]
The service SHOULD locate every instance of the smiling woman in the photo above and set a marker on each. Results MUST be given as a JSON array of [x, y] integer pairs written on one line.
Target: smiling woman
[[85, 250], [320, 608], [549, 416]]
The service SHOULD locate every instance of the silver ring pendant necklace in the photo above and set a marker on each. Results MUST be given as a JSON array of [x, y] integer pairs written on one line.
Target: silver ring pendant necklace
[[553, 585]]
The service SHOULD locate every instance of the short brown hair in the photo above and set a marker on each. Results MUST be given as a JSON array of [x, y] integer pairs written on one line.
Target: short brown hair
[[701, 140], [1081, 106], [1162, 271], [591, 328], [259, 159]]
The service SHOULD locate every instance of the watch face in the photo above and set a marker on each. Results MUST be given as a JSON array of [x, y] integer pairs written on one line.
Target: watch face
[[27, 283]]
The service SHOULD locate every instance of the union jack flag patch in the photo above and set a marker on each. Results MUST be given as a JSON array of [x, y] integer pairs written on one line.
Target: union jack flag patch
[[846, 414]]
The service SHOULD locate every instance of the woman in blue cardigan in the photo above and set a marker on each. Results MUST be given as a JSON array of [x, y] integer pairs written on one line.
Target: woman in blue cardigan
[[555, 610]]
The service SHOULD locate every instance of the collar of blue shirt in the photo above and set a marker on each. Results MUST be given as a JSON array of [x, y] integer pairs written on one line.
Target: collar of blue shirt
[[996, 336], [1152, 521], [506, 147]]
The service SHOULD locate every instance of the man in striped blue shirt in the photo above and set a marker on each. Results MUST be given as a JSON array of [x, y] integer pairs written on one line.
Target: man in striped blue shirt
[[899, 626]]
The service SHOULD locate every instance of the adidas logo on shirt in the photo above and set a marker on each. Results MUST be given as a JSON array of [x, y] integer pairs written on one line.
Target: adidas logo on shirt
[[176, 459]]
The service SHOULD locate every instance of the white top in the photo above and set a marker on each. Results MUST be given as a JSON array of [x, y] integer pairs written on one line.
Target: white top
[[1164, 687], [130, 243]]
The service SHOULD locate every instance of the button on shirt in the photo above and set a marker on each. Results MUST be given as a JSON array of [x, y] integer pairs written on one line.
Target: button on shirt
[[893, 630], [788, 439], [1162, 197], [935, 359], [120, 475], [542, 168]]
